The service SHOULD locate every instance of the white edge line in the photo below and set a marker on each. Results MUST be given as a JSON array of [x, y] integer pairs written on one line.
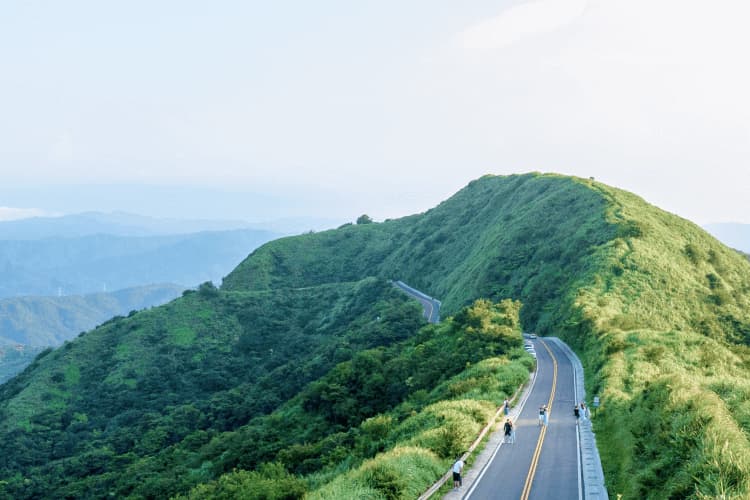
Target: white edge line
[[489, 462], [575, 402], [578, 434]]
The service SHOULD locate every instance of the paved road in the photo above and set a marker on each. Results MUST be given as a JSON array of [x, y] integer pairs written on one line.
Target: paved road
[[430, 305], [554, 474]]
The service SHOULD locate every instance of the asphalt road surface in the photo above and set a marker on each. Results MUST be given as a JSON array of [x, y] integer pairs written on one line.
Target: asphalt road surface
[[431, 306], [543, 463]]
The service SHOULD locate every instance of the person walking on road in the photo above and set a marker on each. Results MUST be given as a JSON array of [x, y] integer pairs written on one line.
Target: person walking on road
[[506, 407], [584, 411], [510, 434], [458, 466], [577, 413], [543, 415]]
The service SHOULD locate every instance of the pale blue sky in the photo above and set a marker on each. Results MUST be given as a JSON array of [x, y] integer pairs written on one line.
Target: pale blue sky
[[336, 108]]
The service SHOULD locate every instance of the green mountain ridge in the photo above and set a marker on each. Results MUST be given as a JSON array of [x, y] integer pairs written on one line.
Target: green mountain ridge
[[267, 374], [463, 249]]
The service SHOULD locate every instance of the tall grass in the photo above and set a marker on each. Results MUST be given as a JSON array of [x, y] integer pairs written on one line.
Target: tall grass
[[423, 445], [662, 326], [404, 472]]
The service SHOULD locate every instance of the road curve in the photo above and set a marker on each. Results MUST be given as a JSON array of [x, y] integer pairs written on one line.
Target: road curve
[[541, 464], [430, 305]]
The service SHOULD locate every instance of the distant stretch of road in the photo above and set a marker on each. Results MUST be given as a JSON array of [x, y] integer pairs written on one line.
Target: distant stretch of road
[[431, 306], [544, 462]]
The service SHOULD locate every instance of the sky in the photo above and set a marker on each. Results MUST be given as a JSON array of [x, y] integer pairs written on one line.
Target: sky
[[256, 110]]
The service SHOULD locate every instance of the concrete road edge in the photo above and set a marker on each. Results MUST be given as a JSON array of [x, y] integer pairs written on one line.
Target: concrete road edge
[[491, 448], [593, 475]]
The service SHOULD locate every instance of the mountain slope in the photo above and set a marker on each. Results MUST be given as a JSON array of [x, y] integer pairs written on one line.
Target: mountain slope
[[202, 365], [656, 307], [528, 237], [665, 328]]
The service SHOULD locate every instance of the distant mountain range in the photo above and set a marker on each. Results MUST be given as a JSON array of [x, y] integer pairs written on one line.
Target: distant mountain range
[[13, 359], [49, 321], [732, 234], [96, 263], [126, 224], [60, 276]]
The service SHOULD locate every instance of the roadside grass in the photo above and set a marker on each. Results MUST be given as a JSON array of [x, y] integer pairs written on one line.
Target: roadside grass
[[442, 430], [401, 452], [663, 330]]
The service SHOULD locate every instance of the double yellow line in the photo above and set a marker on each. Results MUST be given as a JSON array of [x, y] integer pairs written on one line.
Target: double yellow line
[[538, 450]]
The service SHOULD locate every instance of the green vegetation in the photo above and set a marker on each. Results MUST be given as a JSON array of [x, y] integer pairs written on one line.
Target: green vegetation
[[126, 406], [395, 421], [664, 327], [637, 291], [308, 373], [529, 237]]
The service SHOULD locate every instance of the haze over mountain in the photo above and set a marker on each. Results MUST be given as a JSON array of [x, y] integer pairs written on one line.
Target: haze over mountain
[[13, 359], [126, 224], [29, 324], [307, 372], [103, 262], [49, 321], [64, 275]]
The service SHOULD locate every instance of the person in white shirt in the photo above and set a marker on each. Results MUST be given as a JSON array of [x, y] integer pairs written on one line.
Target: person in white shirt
[[457, 468]]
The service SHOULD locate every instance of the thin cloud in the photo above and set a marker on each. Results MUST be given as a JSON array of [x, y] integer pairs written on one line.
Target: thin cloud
[[521, 21], [62, 149]]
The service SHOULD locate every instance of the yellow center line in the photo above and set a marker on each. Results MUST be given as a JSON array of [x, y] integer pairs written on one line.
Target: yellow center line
[[538, 451]]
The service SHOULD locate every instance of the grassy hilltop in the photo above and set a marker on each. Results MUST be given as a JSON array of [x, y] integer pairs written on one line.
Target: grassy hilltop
[[659, 309], [309, 374]]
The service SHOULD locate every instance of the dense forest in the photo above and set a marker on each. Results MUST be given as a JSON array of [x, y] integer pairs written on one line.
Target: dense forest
[[306, 373]]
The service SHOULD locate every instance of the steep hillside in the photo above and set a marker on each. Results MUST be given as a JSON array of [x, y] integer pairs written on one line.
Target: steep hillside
[[400, 414], [175, 396], [664, 328], [529, 237], [121, 397], [658, 308]]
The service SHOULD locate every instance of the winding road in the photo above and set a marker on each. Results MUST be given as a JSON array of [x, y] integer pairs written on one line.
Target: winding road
[[544, 461], [430, 305]]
